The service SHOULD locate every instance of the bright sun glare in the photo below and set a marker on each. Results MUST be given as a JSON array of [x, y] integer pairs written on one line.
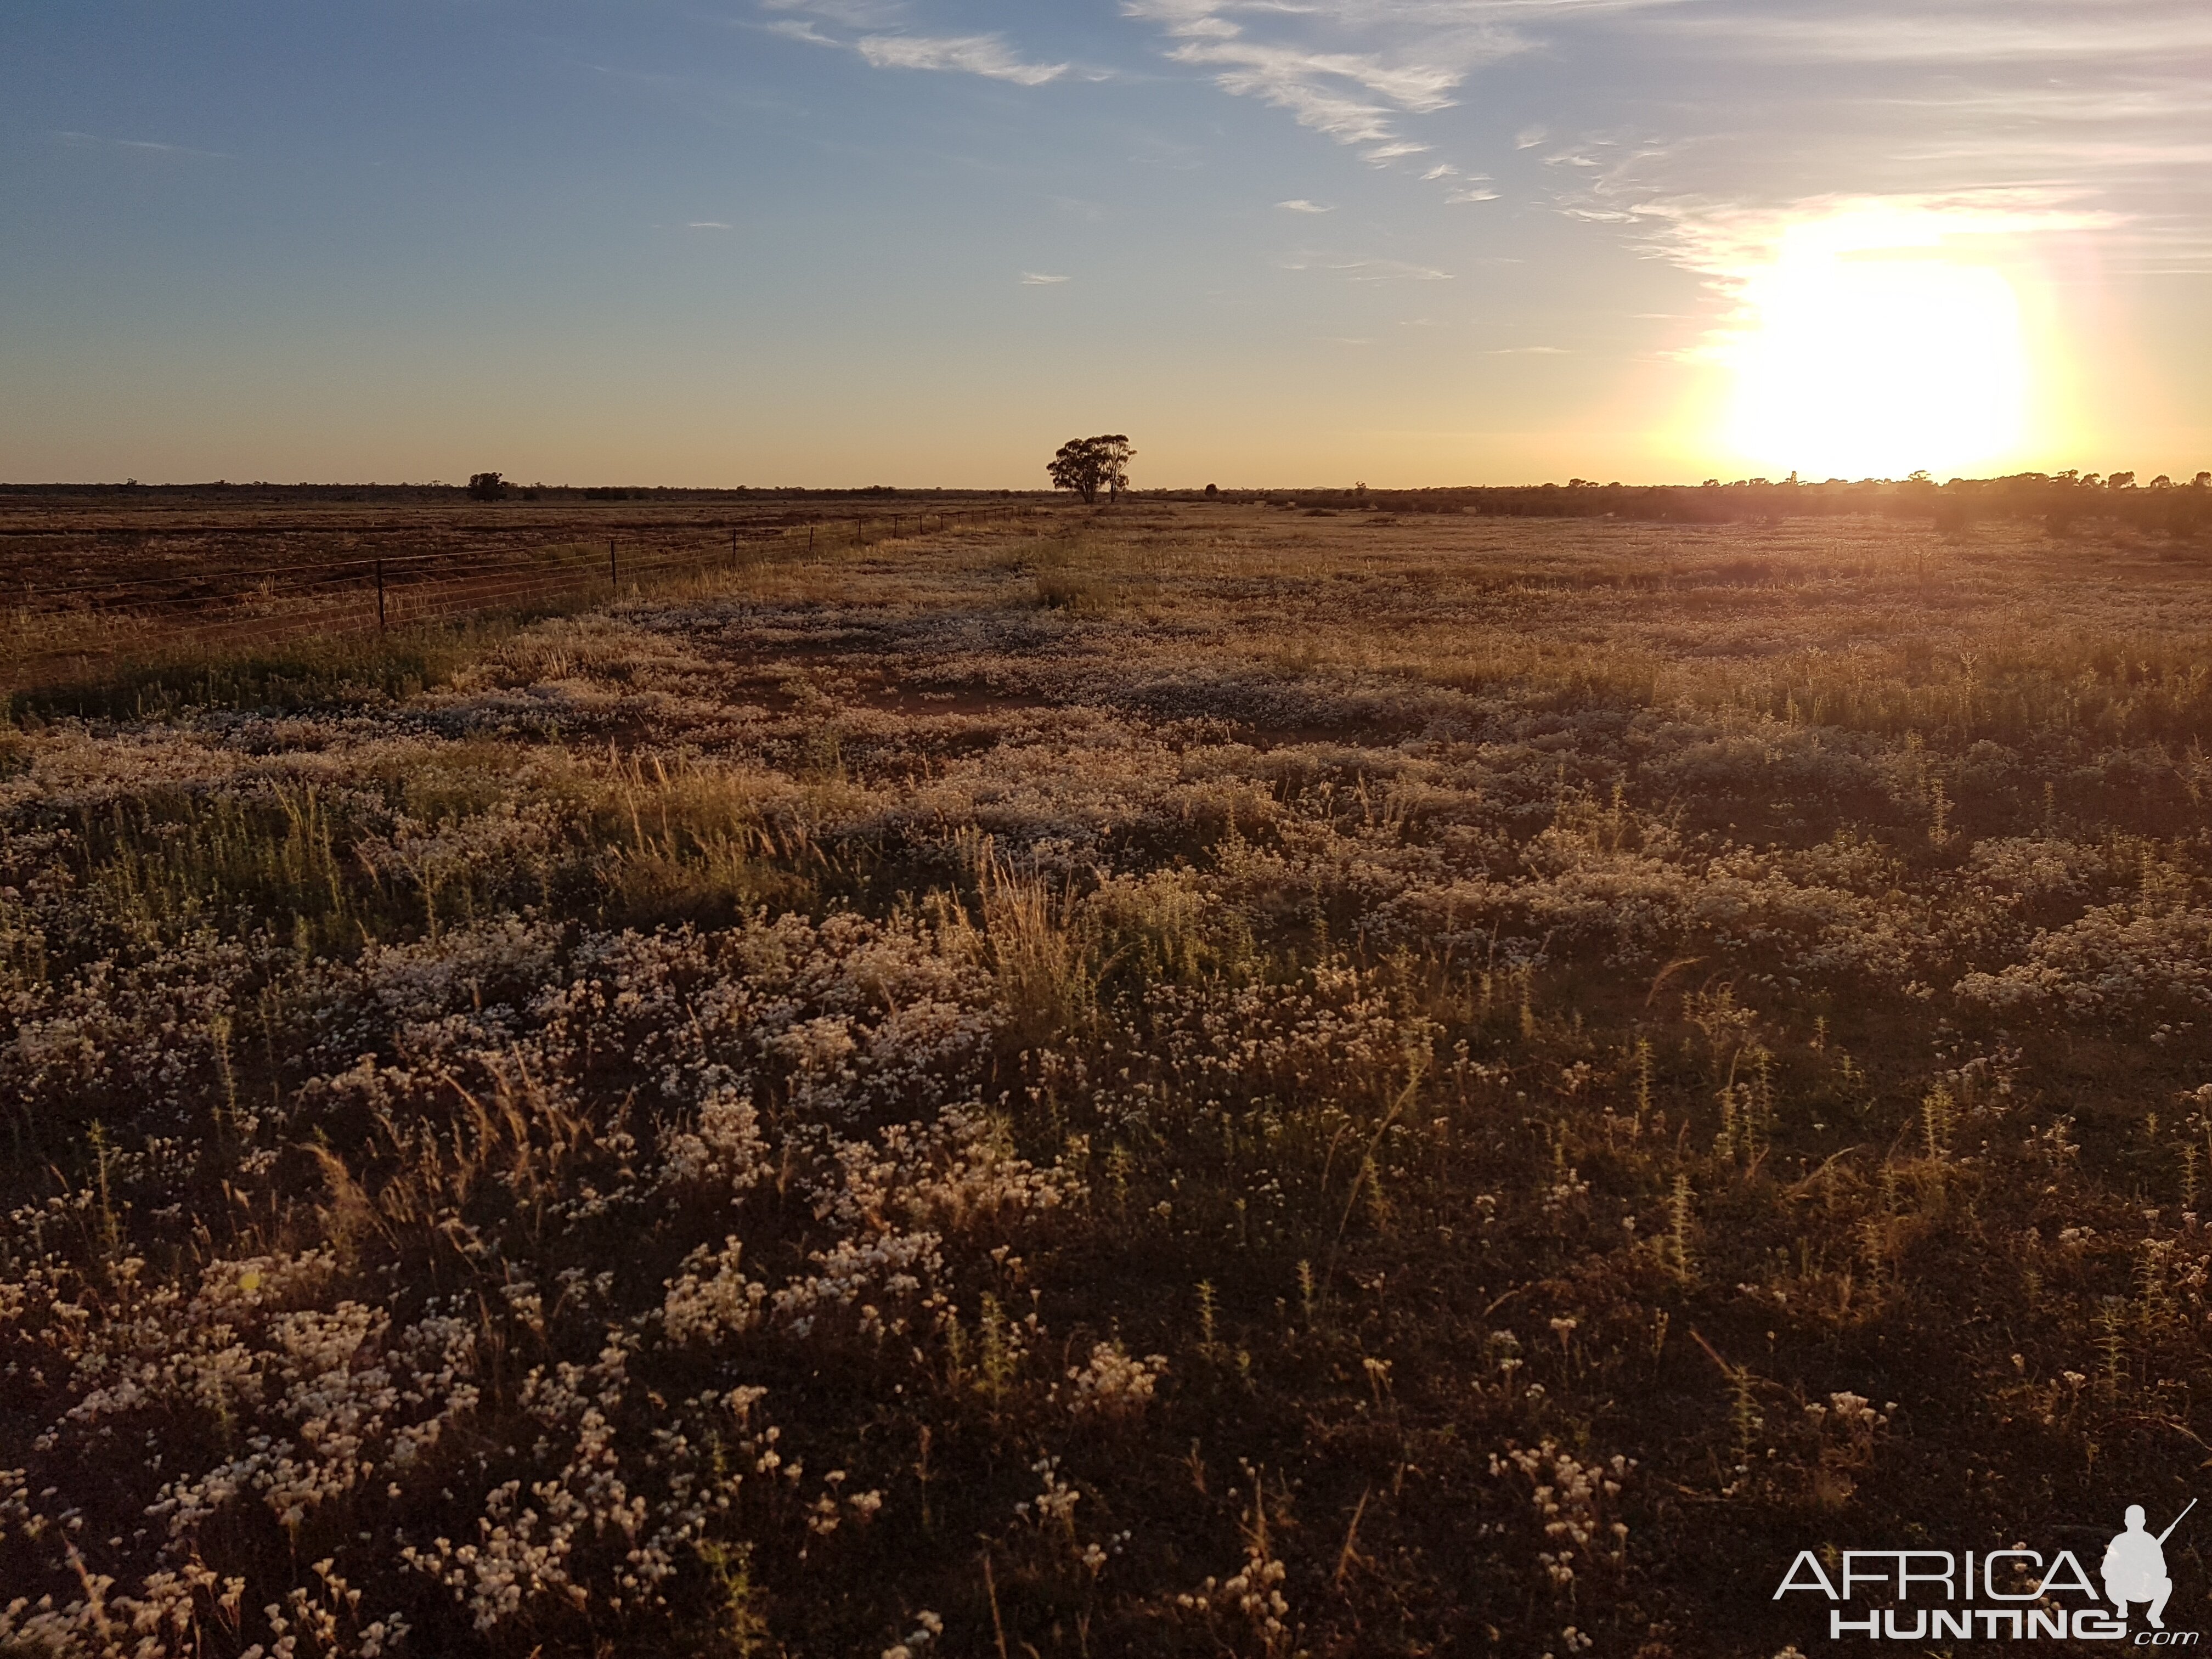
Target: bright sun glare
[[1869, 351]]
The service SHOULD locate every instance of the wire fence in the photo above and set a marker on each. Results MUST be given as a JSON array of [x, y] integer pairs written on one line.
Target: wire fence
[[68, 630]]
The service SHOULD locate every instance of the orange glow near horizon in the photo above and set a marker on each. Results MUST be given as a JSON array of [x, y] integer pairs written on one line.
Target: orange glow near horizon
[[1866, 348]]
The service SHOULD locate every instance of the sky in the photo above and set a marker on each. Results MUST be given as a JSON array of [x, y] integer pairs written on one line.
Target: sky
[[1276, 242]]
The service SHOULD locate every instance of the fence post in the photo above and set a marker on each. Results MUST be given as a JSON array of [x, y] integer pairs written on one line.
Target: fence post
[[380, 596], [859, 540], [810, 541], [614, 579], [733, 549]]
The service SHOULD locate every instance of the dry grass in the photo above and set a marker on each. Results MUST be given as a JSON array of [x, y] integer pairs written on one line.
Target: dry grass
[[1238, 1082]]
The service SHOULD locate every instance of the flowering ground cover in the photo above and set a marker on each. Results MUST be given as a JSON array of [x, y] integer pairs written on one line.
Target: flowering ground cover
[[1228, 1081]]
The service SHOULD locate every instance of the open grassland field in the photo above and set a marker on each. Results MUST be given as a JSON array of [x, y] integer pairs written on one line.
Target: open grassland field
[[101, 571], [1226, 1082], [55, 539]]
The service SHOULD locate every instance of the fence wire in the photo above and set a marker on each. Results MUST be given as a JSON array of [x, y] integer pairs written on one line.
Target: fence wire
[[68, 630]]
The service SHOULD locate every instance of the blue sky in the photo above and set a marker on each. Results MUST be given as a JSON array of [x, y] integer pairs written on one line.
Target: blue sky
[[919, 241]]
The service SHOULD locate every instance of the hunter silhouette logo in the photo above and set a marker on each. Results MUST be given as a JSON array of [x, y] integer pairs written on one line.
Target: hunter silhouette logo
[[2135, 1565], [2018, 1593]]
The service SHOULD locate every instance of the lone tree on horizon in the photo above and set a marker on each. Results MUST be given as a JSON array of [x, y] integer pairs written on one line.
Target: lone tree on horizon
[[1087, 464]]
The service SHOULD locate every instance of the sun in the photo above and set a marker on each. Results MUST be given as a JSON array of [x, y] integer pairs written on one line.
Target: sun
[[1867, 349]]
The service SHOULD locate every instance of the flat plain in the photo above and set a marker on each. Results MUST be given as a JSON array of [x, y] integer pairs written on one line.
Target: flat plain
[[1211, 1080], [97, 573]]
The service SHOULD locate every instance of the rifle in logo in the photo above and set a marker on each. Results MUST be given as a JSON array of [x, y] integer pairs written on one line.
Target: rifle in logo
[[2177, 1520]]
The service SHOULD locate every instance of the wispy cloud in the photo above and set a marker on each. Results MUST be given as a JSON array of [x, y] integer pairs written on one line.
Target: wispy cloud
[[709, 224], [975, 54], [887, 42], [1366, 270], [794, 28], [141, 146], [1041, 279], [2053, 118], [2019, 31], [1726, 239], [1299, 204], [1722, 107], [1351, 70], [846, 14], [1358, 69]]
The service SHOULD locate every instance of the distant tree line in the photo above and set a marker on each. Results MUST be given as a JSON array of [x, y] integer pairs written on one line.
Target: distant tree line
[[2062, 501]]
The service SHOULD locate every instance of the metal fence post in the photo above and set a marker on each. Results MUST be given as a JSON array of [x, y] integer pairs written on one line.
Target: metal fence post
[[614, 579], [380, 596]]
